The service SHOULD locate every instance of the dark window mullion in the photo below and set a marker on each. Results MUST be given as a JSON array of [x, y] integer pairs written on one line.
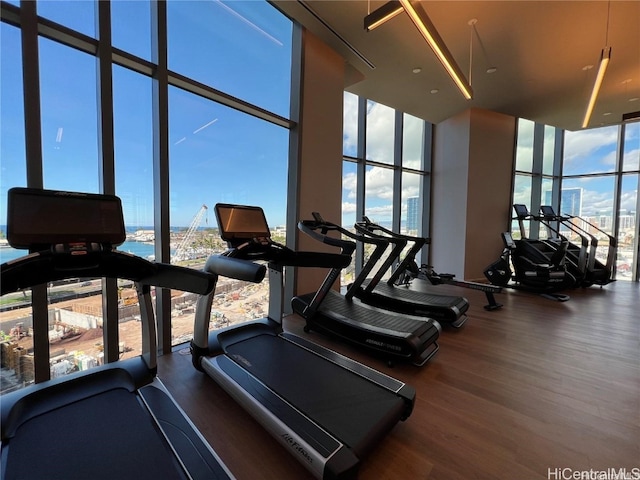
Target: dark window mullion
[[161, 165], [106, 157]]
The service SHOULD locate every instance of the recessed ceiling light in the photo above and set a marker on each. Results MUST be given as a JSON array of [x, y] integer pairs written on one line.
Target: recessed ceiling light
[[606, 113], [416, 70], [492, 70], [587, 67], [634, 99], [435, 90]]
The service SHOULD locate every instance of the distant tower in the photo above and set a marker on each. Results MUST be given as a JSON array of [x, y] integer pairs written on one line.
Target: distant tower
[[413, 214], [571, 201]]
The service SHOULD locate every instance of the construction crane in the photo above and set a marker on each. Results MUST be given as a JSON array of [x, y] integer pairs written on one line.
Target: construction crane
[[181, 251]]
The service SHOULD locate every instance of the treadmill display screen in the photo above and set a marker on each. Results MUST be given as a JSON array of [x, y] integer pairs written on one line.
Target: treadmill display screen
[[39, 218], [241, 222]]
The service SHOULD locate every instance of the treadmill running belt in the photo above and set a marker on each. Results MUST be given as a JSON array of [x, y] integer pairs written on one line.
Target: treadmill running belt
[[376, 318], [445, 301], [352, 408], [88, 435]]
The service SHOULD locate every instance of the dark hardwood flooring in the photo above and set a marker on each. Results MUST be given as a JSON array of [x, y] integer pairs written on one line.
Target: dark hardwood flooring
[[513, 394]]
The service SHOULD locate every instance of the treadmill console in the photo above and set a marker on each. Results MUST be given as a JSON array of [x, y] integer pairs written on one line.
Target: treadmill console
[[239, 224], [39, 218]]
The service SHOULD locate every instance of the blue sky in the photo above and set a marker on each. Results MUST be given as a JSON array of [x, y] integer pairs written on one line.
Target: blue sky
[[216, 154], [590, 151]]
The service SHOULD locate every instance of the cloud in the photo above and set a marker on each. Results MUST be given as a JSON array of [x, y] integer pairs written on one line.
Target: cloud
[[348, 207], [581, 148], [350, 122], [631, 160], [628, 201]]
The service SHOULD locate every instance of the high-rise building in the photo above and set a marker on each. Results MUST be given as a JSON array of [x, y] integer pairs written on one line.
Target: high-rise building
[[413, 214]]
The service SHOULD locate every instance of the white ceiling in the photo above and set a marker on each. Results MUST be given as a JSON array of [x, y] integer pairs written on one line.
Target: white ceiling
[[539, 48]]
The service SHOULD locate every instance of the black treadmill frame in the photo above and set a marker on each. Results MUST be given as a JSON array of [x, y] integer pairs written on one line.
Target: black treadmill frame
[[216, 353], [381, 331], [26, 415]]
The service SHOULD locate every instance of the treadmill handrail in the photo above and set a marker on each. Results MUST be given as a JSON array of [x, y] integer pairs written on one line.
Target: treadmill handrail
[[49, 265], [418, 243], [268, 250], [399, 245], [236, 268], [311, 227]]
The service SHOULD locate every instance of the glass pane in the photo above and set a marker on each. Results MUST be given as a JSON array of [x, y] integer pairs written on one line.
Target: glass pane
[[16, 336], [521, 194], [627, 243], [212, 159], [133, 143], [548, 150], [131, 27], [590, 151], [69, 118], [77, 15], [240, 48], [524, 147], [12, 142], [379, 195], [546, 190], [631, 155], [595, 204], [412, 142], [75, 326], [350, 125], [378, 202], [349, 189], [411, 222], [380, 132]]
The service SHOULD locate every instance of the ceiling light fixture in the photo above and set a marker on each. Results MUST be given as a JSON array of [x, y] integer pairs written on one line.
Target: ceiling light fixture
[[381, 15], [605, 58], [428, 31]]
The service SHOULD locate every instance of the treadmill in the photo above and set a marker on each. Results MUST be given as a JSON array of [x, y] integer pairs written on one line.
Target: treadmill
[[446, 309], [116, 420], [327, 410], [390, 335]]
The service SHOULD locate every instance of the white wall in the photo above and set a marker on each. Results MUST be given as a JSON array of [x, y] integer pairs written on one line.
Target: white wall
[[472, 175]]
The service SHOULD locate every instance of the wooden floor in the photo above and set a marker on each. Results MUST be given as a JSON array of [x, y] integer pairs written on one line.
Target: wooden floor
[[514, 394]]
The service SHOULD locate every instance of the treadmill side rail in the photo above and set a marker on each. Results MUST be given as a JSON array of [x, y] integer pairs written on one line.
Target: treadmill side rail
[[326, 458]]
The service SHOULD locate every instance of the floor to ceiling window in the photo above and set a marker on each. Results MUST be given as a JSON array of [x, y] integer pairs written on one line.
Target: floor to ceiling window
[[592, 174], [119, 113], [600, 185], [385, 169]]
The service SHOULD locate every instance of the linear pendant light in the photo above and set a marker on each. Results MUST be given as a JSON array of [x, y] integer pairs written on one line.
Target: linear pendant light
[[382, 14], [602, 68], [428, 31]]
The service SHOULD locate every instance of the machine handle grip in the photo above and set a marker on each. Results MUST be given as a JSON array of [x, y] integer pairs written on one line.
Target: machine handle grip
[[46, 266], [235, 268], [180, 278]]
